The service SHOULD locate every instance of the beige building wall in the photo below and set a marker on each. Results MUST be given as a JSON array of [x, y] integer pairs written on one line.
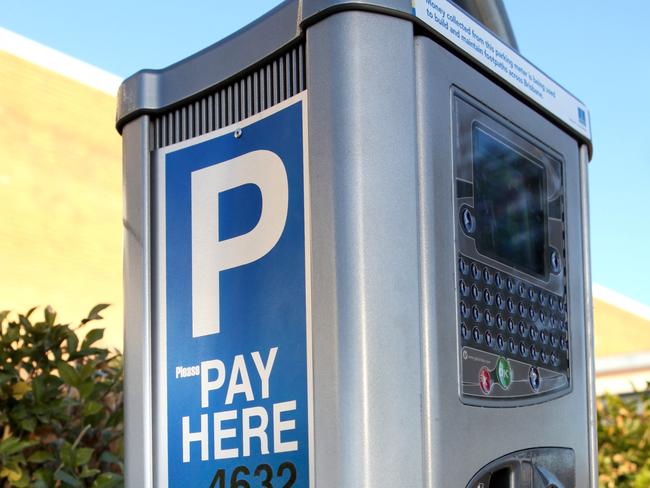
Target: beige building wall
[[60, 192]]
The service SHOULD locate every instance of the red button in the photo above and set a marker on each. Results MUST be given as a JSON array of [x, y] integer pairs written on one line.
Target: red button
[[485, 380]]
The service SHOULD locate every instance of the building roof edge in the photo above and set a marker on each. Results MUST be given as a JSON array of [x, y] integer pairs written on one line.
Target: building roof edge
[[58, 62]]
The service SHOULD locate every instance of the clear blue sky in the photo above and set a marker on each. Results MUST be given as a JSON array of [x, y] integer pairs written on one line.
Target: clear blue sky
[[597, 53]]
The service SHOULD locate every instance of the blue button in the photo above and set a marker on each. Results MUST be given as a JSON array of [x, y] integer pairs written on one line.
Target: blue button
[[476, 293], [487, 276], [462, 287], [498, 280], [488, 338], [523, 330], [462, 266], [469, 223], [499, 320], [488, 318], [534, 378], [476, 314], [476, 334]]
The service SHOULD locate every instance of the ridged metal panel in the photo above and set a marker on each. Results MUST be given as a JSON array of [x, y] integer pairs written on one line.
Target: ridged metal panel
[[266, 86]]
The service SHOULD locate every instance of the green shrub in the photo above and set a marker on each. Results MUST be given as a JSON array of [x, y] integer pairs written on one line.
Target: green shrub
[[61, 412], [624, 441]]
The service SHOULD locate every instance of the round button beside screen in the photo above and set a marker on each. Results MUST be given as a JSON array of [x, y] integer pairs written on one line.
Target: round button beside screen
[[467, 220], [555, 261]]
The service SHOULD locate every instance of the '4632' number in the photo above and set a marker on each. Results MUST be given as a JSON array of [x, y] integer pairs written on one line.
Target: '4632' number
[[263, 474]]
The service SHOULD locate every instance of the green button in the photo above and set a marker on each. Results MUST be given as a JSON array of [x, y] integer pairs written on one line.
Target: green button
[[504, 373]]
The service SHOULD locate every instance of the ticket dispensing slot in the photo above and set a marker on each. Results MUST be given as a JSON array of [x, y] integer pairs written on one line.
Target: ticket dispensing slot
[[531, 468]]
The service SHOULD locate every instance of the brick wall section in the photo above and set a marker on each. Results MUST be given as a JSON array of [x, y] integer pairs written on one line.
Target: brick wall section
[[60, 195]]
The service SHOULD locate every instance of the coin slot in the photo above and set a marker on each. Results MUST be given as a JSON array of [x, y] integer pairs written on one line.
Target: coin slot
[[503, 478]]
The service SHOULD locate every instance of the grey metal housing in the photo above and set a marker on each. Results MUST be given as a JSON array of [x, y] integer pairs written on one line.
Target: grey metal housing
[[386, 404]]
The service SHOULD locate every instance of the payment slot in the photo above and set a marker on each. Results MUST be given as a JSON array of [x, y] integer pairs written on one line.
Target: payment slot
[[512, 301]]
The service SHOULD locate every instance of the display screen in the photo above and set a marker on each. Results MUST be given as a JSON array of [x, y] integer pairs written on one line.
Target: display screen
[[510, 204]]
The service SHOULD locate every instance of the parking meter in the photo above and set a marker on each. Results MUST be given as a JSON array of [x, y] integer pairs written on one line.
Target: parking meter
[[357, 254]]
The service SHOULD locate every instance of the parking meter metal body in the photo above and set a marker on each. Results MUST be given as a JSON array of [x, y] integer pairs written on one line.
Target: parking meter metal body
[[357, 254]]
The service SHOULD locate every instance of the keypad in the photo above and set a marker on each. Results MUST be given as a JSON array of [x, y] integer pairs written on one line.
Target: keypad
[[504, 315]]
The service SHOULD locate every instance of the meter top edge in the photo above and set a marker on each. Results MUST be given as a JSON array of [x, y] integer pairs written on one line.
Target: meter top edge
[[151, 91]]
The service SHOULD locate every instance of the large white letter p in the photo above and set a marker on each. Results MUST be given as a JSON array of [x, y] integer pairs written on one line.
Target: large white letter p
[[210, 255]]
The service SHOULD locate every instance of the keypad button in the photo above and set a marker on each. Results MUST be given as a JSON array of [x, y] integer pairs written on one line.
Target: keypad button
[[510, 305], [511, 326], [476, 293], [488, 297], [542, 317], [476, 335], [532, 314], [487, 275], [500, 342], [532, 294], [523, 349], [462, 288], [463, 331], [522, 309], [542, 298], [534, 333], [512, 346], [499, 321], [510, 284], [488, 338], [522, 290], [462, 266], [476, 274], [534, 353], [463, 310], [553, 322], [500, 302], [523, 329], [560, 305], [476, 314], [489, 320], [554, 340], [498, 280], [564, 342], [543, 356], [552, 301], [555, 359], [534, 379], [543, 336]]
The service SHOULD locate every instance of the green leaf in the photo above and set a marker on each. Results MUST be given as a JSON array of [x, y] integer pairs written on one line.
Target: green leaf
[[40, 457], [67, 455], [107, 480], [94, 313], [73, 343], [67, 478], [68, 373], [92, 407], [83, 455], [50, 315], [92, 337], [88, 473], [29, 424]]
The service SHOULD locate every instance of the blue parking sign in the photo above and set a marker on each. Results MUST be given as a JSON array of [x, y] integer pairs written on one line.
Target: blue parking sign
[[233, 299]]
